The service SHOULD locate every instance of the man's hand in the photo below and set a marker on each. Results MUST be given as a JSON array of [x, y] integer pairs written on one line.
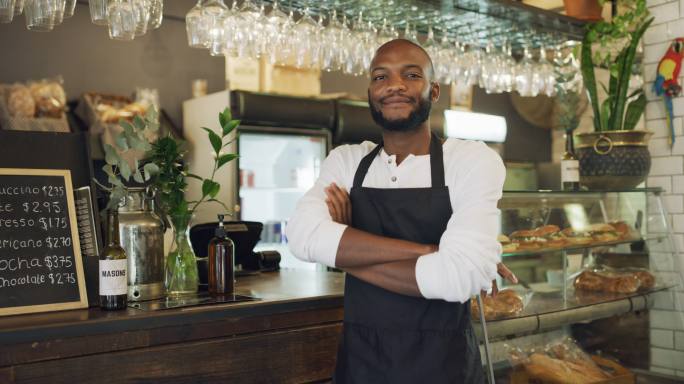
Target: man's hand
[[506, 274], [339, 204]]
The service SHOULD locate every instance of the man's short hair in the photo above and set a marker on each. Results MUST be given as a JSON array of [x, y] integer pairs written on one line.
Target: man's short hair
[[432, 67]]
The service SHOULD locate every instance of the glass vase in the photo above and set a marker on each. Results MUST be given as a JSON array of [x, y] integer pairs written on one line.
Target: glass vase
[[181, 277]]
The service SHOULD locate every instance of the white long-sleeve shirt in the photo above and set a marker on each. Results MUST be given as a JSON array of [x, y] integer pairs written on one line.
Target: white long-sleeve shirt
[[468, 249]]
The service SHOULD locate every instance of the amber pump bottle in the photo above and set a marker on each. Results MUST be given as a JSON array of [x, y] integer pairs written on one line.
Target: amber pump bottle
[[221, 262]]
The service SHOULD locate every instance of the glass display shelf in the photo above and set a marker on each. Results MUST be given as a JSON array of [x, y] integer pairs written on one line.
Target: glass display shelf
[[551, 310], [655, 190], [596, 244]]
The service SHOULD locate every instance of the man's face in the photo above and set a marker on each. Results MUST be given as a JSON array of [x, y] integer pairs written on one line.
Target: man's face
[[401, 91]]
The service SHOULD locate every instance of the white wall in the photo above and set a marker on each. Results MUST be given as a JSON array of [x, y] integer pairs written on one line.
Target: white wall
[[667, 172]]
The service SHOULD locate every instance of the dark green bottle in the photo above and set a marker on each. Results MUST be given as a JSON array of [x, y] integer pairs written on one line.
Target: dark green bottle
[[113, 268]]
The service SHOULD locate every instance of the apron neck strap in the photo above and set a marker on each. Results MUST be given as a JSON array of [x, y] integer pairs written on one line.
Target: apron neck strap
[[436, 163]]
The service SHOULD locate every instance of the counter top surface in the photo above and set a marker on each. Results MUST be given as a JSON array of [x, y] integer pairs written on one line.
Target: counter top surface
[[278, 292]]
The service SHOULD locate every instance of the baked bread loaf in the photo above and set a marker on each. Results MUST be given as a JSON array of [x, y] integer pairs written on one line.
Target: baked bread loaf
[[548, 369], [646, 280], [507, 303], [607, 282]]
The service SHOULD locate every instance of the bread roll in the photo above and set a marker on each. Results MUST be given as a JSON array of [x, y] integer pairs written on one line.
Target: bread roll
[[20, 103]]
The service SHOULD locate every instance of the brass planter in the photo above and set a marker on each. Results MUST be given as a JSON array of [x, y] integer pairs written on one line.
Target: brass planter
[[613, 159]]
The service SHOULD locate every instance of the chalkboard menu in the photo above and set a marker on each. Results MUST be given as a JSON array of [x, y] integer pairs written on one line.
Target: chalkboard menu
[[40, 258]]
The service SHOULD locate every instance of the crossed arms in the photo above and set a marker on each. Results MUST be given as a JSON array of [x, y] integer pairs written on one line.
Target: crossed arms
[[465, 262]]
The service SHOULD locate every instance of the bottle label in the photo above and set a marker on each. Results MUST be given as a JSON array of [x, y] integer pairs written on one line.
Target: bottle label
[[113, 280], [570, 171]]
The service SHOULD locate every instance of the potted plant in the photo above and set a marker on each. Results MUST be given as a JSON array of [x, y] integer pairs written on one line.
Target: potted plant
[[615, 155], [164, 170], [589, 10]]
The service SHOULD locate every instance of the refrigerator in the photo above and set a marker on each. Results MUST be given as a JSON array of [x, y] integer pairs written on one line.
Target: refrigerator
[[281, 148], [275, 169]]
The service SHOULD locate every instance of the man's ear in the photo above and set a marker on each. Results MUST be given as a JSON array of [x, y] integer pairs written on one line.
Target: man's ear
[[434, 91]]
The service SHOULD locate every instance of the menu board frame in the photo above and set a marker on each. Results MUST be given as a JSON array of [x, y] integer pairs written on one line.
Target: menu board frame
[[75, 245]]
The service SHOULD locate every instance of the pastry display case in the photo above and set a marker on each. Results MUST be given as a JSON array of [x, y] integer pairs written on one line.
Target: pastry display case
[[599, 275]]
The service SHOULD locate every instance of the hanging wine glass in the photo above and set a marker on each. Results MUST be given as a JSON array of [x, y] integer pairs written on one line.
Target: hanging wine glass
[[98, 11], [333, 38], [69, 8], [142, 16], [304, 40], [156, 14], [18, 7], [40, 15], [547, 74], [214, 14], [489, 74], [122, 21], [387, 33], [58, 15], [276, 27], [525, 84], [411, 34], [196, 28], [7, 11]]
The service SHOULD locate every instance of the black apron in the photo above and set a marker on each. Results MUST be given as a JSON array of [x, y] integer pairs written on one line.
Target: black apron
[[392, 338]]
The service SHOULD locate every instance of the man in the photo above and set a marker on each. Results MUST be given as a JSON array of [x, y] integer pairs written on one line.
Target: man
[[416, 234]]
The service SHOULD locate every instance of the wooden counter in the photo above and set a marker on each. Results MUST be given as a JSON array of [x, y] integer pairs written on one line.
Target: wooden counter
[[290, 335]]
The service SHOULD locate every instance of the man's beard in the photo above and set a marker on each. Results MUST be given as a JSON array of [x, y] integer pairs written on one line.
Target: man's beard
[[417, 117]]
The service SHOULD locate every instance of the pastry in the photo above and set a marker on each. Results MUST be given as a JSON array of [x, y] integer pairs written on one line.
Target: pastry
[[607, 282], [49, 97], [20, 102], [507, 303]]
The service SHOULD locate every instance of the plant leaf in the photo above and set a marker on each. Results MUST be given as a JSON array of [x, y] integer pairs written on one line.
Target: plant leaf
[[225, 116], [121, 142], [138, 177], [634, 111], [215, 140], [150, 170], [587, 67], [192, 175], [111, 156], [605, 111], [210, 188], [223, 159], [626, 73], [228, 128], [128, 128], [223, 120], [139, 123], [125, 170]]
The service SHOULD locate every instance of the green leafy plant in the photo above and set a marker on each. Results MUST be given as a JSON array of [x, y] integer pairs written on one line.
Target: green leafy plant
[[124, 162], [161, 165], [619, 111]]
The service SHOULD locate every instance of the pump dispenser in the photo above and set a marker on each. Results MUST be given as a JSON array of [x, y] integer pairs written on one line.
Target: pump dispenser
[[221, 262]]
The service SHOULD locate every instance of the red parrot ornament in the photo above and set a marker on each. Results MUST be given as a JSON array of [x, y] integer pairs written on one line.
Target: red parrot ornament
[[666, 84]]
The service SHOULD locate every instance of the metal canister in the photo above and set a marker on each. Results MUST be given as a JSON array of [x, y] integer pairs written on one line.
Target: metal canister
[[142, 236]]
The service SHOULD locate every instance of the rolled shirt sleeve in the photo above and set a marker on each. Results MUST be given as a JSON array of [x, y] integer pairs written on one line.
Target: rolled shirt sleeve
[[312, 234], [468, 249]]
